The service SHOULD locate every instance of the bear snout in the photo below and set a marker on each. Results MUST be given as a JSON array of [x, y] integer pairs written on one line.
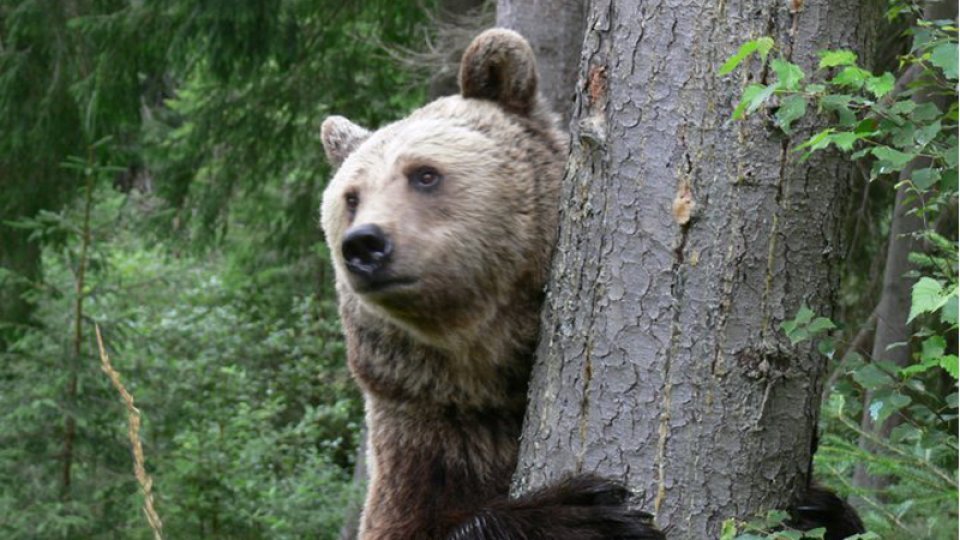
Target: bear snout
[[366, 249]]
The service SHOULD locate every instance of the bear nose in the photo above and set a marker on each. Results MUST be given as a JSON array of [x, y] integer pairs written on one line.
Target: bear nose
[[366, 249]]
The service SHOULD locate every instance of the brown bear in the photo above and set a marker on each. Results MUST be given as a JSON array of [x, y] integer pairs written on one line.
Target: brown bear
[[441, 229]]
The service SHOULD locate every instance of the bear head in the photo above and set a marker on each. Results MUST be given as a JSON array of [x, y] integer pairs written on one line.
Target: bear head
[[440, 221]]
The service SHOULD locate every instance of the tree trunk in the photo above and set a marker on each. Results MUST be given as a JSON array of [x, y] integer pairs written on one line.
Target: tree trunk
[[554, 29], [685, 240]]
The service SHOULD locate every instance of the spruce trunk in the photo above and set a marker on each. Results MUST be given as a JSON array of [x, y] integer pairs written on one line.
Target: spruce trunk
[[686, 239]]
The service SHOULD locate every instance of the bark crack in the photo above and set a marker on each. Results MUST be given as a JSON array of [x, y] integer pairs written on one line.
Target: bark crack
[[780, 202], [676, 290], [585, 400]]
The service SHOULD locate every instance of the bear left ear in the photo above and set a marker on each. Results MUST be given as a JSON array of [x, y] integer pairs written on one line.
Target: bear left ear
[[340, 138], [499, 65]]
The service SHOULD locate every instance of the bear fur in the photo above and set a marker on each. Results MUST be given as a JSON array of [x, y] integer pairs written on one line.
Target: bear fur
[[440, 288]]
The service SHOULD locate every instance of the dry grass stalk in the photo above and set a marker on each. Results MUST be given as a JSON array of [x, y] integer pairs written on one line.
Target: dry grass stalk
[[133, 431]]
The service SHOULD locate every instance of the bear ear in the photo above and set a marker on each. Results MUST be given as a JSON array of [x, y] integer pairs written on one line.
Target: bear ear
[[341, 137], [499, 65]]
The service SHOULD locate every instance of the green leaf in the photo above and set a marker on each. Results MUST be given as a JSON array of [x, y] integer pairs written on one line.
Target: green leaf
[[815, 88], [840, 104], [764, 45], [820, 324], [731, 64], [866, 126], [827, 347], [775, 518], [844, 140], [925, 112], [903, 107], [880, 86], [924, 179], [871, 377], [789, 75], [903, 433], [804, 315], [895, 158], [840, 57], [817, 142], [804, 326], [948, 314], [953, 113], [761, 46], [753, 97], [932, 347], [953, 400], [851, 77], [791, 108], [950, 156], [927, 296], [729, 529], [903, 136], [949, 364], [927, 133], [944, 56], [886, 404], [921, 367]]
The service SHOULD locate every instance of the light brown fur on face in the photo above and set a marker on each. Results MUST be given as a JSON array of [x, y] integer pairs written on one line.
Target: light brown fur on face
[[443, 353]]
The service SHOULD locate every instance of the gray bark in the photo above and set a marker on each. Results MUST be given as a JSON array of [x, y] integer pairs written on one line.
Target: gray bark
[[661, 361], [554, 29]]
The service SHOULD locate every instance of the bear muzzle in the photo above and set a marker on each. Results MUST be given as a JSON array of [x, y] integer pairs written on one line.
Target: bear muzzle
[[367, 252]]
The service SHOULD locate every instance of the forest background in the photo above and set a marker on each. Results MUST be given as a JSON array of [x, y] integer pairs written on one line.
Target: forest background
[[160, 176]]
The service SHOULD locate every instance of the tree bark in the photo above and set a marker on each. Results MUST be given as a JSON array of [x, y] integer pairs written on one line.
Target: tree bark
[[685, 240], [554, 29]]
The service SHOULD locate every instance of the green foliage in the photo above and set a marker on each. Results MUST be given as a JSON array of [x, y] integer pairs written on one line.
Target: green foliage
[[905, 131], [215, 106], [772, 526], [895, 131], [805, 326], [250, 416], [195, 125]]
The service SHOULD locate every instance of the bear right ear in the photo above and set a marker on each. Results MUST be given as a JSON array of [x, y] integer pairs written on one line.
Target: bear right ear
[[499, 65], [341, 137]]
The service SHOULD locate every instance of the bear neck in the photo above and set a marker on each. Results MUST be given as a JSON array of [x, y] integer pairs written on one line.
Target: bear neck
[[443, 426]]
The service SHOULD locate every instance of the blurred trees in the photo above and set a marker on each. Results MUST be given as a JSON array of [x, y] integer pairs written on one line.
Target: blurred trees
[[192, 127]]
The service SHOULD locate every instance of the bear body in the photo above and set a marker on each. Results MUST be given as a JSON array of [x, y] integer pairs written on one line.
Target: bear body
[[440, 332]]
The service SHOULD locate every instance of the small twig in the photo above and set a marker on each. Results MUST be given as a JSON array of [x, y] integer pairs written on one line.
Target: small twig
[[133, 431]]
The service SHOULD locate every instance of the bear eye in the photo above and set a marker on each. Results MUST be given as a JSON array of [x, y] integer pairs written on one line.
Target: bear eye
[[424, 178], [352, 200]]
